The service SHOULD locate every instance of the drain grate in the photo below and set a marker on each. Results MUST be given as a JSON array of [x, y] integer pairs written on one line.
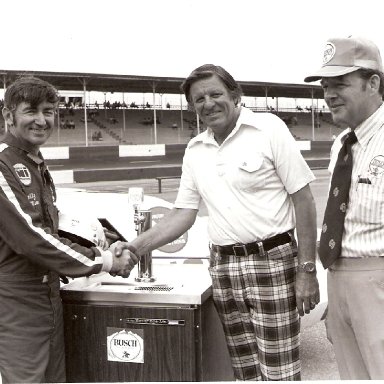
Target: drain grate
[[156, 288]]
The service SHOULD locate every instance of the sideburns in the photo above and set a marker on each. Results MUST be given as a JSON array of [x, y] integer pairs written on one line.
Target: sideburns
[[364, 85]]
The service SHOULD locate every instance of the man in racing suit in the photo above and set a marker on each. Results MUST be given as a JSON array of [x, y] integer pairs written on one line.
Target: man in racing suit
[[32, 255]]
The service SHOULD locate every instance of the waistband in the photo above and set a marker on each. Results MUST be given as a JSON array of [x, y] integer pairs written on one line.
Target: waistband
[[357, 264], [28, 277], [256, 247]]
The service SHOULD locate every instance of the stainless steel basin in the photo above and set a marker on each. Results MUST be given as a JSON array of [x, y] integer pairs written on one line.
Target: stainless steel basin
[[131, 286], [175, 284]]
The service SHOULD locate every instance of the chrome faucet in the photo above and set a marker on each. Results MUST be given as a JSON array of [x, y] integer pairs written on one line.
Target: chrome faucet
[[143, 222]]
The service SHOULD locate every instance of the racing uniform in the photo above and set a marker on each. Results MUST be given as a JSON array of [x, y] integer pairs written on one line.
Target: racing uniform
[[31, 257]]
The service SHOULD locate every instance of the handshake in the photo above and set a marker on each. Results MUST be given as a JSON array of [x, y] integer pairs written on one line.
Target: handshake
[[124, 258]]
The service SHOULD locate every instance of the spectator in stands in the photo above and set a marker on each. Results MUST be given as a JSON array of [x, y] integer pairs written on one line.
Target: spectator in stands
[[353, 82], [71, 124], [32, 254], [66, 125], [147, 121], [62, 124], [249, 172], [97, 136]]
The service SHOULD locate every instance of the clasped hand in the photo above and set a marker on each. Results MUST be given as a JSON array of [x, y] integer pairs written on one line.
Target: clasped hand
[[124, 259]]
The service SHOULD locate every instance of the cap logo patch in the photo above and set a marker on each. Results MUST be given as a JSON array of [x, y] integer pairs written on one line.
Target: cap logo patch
[[329, 52], [23, 173]]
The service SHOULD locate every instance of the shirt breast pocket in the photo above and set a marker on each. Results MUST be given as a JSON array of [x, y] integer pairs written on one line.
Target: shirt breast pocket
[[251, 175], [371, 203]]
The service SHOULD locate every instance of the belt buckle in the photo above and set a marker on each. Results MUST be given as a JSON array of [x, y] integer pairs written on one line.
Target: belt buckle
[[261, 250], [240, 246], [216, 251]]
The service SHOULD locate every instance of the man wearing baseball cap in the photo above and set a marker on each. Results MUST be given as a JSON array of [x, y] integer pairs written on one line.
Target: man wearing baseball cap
[[352, 239]]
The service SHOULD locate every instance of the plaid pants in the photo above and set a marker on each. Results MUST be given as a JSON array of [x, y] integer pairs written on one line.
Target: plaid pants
[[255, 299]]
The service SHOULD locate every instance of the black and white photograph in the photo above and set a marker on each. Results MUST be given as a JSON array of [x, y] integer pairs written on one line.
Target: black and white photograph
[[191, 191]]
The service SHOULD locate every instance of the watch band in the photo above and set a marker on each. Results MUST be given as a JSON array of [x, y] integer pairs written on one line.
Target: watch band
[[307, 267]]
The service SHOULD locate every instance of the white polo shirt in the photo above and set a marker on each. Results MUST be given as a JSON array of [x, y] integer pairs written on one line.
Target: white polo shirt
[[364, 221], [246, 181]]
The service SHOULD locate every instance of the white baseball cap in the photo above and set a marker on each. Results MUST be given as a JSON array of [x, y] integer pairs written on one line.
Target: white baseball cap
[[346, 55]]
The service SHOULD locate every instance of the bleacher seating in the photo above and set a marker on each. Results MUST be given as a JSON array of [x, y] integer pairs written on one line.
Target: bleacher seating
[[139, 127], [300, 125], [172, 127], [76, 137]]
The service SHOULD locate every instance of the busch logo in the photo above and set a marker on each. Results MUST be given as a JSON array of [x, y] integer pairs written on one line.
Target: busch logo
[[329, 52], [376, 166], [125, 346]]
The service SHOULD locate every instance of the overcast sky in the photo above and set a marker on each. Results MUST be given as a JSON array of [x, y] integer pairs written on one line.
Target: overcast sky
[[268, 40]]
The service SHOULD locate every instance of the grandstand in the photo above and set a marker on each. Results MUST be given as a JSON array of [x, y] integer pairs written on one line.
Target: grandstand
[[145, 141], [128, 126], [300, 125], [135, 125]]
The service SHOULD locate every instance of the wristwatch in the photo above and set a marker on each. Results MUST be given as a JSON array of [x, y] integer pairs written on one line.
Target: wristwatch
[[307, 267]]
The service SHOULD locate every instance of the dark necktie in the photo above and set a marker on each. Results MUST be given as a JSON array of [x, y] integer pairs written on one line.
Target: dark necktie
[[333, 225]]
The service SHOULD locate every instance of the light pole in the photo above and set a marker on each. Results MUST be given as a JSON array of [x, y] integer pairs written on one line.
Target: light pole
[[161, 105], [105, 105]]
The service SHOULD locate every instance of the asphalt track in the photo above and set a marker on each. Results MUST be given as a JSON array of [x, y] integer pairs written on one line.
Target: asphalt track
[[317, 355]]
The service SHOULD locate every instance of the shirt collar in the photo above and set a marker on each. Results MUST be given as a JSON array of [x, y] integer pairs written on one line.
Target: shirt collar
[[246, 117], [370, 126], [13, 141]]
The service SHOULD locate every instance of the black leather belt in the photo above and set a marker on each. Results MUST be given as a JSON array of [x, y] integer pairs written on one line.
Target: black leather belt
[[252, 248]]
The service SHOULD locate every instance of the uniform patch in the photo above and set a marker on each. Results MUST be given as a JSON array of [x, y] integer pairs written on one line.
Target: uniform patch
[[23, 173], [329, 52], [32, 198], [376, 166]]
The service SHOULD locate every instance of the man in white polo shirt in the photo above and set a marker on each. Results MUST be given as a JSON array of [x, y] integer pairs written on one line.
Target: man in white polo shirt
[[248, 170], [353, 83]]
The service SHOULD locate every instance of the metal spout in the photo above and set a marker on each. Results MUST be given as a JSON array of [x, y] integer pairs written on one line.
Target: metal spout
[[143, 222]]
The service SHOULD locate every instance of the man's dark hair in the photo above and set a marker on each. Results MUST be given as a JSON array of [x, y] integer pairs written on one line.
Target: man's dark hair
[[207, 70], [29, 89], [366, 74]]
